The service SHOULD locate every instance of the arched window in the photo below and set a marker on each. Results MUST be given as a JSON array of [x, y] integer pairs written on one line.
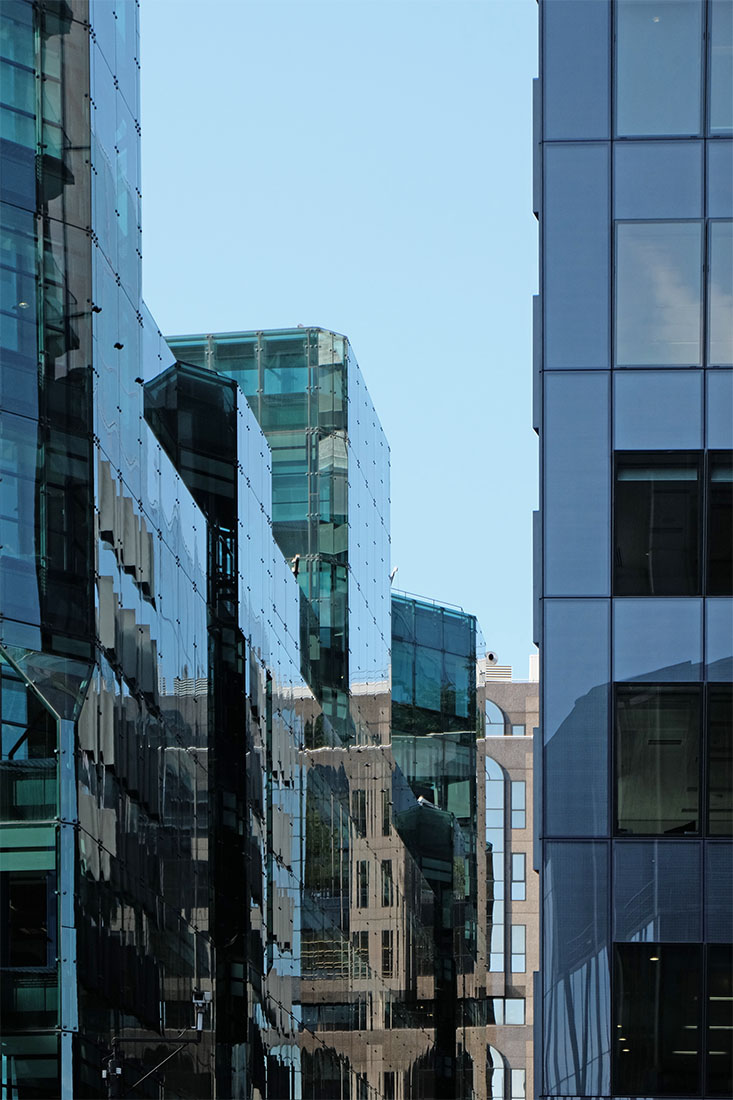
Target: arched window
[[495, 849], [495, 720], [495, 1074]]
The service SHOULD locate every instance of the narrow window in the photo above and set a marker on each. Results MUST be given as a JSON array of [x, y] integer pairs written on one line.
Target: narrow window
[[386, 813], [362, 884], [519, 876], [387, 952], [719, 1044], [720, 759], [358, 811], [519, 807], [519, 1084], [657, 524], [519, 948], [720, 524], [387, 883], [388, 1084]]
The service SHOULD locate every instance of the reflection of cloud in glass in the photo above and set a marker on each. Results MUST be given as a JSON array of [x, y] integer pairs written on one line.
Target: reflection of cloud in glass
[[659, 293], [720, 333]]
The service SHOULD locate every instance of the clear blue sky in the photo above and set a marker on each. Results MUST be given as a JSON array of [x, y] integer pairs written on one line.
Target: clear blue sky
[[365, 166]]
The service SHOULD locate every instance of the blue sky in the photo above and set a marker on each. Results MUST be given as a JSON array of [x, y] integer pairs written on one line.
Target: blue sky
[[365, 166]]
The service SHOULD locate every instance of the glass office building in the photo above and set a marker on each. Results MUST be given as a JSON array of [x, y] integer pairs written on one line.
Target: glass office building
[[330, 507], [634, 402], [153, 706]]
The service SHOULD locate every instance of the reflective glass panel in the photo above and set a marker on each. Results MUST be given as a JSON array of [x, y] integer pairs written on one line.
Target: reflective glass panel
[[658, 62], [718, 877], [656, 891], [576, 256], [657, 759], [720, 111], [720, 294], [575, 70], [720, 760], [576, 657], [657, 640], [675, 397], [656, 1009], [658, 179], [719, 409], [658, 293], [575, 975], [719, 639], [720, 524], [720, 179], [577, 483]]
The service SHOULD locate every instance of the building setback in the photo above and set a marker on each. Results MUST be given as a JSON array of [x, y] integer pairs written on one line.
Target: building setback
[[634, 404]]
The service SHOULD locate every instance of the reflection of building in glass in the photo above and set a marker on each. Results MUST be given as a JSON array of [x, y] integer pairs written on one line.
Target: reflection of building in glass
[[635, 395], [202, 799]]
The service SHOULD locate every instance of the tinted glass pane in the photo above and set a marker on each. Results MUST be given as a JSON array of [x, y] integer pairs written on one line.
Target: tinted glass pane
[[657, 525], [657, 759], [575, 69], [720, 294], [576, 256], [658, 293], [720, 529], [718, 877], [719, 639], [721, 67], [577, 484], [576, 970], [658, 179], [576, 657], [656, 891], [720, 759], [720, 179], [658, 57], [657, 640], [656, 1005], [719, 407], [674, 396], [720, 1021]]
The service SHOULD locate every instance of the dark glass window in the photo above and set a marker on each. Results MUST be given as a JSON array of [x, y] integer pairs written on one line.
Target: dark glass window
[[387, 952], [656, 1033], [388, 1084], [358, 810], [719, 1038], [387, 883], [362, 883], [720, 524], [720, 759], [386, 813], [657, 759], [657, 524], [28, 920]]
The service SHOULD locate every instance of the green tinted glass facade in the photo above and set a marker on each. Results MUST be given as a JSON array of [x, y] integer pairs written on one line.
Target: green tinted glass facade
[[330, 506]]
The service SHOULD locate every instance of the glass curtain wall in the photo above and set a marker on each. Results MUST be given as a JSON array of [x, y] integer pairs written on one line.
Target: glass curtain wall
[[632, 190]]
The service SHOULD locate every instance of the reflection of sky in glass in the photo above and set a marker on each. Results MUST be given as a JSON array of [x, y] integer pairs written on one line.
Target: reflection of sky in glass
[[720, 294], [658, 293]]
